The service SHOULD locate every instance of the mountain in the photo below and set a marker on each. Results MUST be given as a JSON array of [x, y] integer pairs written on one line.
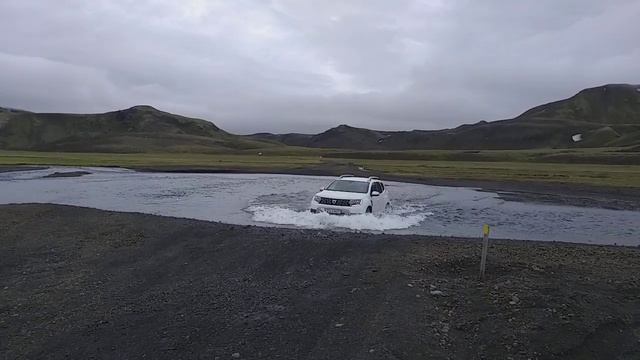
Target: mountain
[[137, 129], [608, 104], [603, 116]]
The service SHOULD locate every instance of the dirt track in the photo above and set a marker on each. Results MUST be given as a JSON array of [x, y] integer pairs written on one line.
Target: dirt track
[[85, 283]]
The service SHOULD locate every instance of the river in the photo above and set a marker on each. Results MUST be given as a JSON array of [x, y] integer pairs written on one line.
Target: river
[[282, 200]]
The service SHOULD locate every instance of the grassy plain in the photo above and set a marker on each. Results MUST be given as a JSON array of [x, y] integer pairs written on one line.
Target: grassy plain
[[160, 160], [457, 165]]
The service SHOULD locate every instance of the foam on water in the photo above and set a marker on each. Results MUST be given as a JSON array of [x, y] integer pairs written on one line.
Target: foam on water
[[278, 215]]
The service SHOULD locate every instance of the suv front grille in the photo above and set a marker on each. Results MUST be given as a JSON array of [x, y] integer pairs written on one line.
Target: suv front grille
[[334, 202]]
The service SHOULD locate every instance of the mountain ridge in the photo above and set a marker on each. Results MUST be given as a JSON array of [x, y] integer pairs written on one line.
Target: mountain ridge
[[607, 115], [603, 116]]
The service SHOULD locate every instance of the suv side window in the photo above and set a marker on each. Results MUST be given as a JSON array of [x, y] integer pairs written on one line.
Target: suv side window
[[376, 187], [381, 187]]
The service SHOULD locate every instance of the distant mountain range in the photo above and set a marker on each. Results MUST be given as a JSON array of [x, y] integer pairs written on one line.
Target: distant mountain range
[[597, 117], [603, 116]]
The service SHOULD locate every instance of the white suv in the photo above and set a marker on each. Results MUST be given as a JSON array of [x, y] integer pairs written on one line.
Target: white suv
[[352, 195]]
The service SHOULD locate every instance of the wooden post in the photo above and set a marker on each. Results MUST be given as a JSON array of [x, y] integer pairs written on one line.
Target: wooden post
[[485, 248]]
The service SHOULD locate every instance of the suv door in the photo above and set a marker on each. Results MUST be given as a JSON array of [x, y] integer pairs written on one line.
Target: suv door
[[377, 201], [384, 196]]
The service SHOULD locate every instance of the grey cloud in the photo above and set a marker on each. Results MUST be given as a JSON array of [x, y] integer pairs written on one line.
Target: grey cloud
[[291, 65]]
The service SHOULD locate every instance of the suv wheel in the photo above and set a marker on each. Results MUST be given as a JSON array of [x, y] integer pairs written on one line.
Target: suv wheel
[[369, 210]]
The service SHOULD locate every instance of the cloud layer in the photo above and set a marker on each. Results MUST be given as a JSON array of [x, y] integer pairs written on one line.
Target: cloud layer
[[304, 66]]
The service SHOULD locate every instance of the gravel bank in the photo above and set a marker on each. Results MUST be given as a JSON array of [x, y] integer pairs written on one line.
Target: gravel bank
[[84, 283]]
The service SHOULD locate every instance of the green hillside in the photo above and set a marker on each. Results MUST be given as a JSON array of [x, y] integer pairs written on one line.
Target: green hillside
[[608, 104], [137, 129]]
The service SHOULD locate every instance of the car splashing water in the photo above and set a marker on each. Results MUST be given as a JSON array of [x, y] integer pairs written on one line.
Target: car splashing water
[[283, 200], [389, 220]]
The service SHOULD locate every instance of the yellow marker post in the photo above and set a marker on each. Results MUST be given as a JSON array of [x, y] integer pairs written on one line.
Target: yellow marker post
[[485, 248]]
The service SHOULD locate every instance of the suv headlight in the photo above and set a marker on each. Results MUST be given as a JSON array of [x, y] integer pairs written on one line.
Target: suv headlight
[[317, 198], [355, 202]]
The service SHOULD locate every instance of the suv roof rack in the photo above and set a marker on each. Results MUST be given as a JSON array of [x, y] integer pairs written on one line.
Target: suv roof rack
[[374, 178], [346, 175]]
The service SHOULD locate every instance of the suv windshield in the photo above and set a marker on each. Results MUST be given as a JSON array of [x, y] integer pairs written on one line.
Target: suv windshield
[[349, 186]]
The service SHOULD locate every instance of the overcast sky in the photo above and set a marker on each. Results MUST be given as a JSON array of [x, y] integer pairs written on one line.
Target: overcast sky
[[305, 66]]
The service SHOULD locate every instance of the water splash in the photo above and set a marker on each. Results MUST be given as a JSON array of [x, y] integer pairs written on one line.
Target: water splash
[[393, 220]]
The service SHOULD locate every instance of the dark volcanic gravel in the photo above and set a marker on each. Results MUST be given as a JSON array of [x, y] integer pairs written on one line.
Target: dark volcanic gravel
[[84, 283]]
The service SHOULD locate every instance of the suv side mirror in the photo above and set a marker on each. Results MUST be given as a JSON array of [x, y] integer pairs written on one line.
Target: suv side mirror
[[375, 193]]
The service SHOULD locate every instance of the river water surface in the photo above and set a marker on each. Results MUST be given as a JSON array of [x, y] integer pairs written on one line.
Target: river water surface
[[282, 200]]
